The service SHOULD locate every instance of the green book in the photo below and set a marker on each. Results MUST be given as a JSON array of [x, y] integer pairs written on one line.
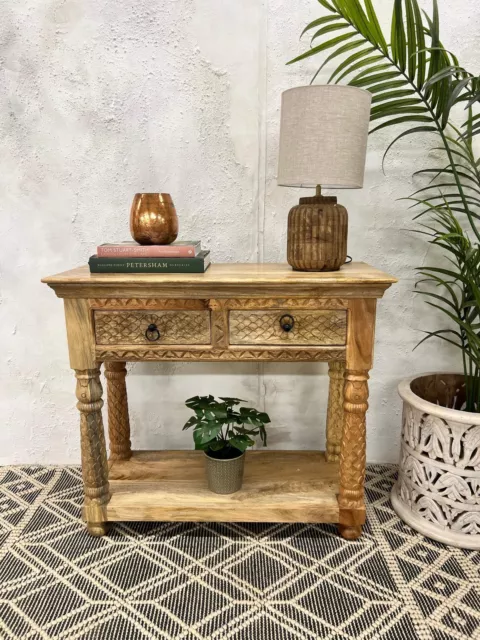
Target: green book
[[199, 264]]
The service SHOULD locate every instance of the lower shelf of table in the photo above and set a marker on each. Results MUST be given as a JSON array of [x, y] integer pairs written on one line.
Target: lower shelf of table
[[278, 486]]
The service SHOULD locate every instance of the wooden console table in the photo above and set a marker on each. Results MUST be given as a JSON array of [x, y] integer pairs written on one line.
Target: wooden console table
[[233, 312]]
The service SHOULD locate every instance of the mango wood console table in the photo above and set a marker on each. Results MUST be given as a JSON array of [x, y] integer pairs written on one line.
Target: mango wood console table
[[233, 312]]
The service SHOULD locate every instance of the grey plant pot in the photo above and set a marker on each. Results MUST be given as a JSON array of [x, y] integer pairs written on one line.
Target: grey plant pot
[[224, 476]]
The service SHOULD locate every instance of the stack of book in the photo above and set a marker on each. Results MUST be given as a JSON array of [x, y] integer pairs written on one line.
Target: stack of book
[[130, 257]]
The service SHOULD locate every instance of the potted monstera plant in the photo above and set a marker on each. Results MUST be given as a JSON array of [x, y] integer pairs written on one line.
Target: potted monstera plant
[[419, 85], [224, 432]]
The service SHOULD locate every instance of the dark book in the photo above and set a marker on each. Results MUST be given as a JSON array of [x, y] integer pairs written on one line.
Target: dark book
[[198, 264]]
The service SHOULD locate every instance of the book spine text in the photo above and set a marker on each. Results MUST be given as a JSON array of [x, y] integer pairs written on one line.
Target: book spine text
[[146, 252], [145, 266]]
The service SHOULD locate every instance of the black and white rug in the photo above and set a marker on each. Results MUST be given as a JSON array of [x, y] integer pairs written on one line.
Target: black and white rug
[[219, 581]]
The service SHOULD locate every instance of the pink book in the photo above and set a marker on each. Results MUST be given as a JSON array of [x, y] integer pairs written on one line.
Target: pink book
[[185, 249]]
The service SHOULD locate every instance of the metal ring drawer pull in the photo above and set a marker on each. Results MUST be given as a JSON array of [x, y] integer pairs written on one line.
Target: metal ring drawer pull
[[152, 333], [286, 322]]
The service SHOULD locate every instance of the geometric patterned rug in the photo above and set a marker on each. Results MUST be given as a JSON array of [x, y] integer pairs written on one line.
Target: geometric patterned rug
[[218, 581]]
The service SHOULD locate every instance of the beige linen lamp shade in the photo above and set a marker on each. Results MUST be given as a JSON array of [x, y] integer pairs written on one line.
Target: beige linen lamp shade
[[323, 136]]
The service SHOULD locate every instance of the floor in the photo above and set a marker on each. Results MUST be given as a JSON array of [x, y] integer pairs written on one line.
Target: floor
[[219, 581]]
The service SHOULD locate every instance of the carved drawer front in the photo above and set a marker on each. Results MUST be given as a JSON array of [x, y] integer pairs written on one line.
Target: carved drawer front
[[318, 328], [152, 327]]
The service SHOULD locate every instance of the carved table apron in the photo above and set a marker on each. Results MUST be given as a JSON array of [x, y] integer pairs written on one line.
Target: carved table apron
[[234, 312]]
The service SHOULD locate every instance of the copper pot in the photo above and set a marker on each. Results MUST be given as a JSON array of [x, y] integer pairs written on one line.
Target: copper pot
[[153, 219]]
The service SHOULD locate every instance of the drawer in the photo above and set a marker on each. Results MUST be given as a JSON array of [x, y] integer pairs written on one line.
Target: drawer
[[131, 327], [326, 327]]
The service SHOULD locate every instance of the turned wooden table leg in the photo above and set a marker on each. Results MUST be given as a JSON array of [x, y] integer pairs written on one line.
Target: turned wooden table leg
[[118, 420], [353, 455], [335, 417], [94, 453], [360, 338]]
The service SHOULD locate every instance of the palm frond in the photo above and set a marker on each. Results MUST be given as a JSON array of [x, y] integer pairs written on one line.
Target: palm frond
[[415, 83]]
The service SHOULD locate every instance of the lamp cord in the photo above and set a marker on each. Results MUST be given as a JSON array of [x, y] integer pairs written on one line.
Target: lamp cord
[[348, 260]]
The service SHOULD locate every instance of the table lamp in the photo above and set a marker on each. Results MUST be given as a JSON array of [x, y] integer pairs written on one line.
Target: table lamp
[[323, 143]]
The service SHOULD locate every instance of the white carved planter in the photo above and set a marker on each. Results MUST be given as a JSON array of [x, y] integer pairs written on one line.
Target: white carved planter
[[438, 487]]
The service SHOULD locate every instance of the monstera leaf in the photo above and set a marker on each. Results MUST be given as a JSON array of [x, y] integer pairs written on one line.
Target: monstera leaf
[[219, 425]]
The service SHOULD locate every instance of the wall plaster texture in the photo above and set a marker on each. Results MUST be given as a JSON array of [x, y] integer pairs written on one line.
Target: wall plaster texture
[[99, 100]]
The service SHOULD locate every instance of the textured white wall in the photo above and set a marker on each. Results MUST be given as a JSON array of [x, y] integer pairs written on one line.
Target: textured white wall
[[99, 100]]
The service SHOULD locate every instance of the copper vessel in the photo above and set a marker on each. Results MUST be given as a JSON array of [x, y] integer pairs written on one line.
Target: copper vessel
[[153, 219]]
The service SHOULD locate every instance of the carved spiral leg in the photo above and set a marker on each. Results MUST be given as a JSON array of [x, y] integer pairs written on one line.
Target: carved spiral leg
[[118, 421], [94, 453], [335, 417], [353, 455]]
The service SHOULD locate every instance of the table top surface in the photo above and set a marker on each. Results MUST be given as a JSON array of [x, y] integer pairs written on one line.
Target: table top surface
[[231, 273]]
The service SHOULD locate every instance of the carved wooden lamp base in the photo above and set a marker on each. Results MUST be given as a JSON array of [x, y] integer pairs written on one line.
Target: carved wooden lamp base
[[317, 234]]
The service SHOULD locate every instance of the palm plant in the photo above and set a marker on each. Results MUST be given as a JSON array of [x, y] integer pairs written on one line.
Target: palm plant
[[416, 83]]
